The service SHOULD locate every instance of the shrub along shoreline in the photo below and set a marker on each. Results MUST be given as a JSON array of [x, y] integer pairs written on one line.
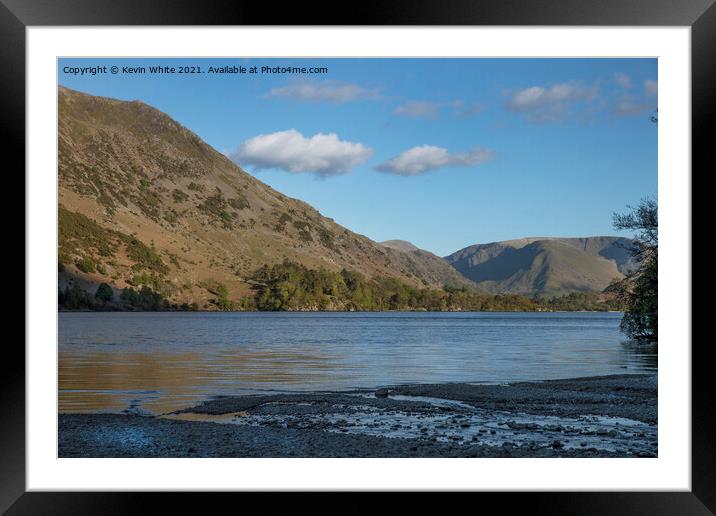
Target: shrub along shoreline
[[291, 287]]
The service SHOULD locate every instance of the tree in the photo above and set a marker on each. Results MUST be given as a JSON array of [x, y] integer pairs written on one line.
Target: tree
[[639, 290], [76, 298], [129, 296], [104, 293]]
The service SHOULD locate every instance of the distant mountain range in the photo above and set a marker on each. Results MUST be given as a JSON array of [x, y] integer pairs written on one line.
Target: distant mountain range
[[545, 266]]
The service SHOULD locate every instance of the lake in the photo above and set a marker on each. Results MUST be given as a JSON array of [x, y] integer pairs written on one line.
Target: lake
[[159, 362]]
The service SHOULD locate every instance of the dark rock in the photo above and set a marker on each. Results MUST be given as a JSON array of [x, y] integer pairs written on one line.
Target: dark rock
[[382, 393]]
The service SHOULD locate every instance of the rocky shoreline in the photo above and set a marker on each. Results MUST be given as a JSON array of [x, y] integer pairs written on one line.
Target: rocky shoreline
[[608, 416]]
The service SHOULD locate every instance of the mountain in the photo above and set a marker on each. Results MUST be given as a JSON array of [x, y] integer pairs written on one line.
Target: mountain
[[544, 266], [400, 245], [144, 201], [427, 265]]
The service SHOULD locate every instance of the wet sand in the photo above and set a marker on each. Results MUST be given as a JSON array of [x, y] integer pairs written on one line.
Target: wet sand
[[608, 416]]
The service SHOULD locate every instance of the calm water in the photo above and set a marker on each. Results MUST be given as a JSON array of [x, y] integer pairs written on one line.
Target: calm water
[[158, 362]]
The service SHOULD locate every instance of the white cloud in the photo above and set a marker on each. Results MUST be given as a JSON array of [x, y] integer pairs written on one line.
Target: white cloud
[[627, 106], [322, 154], [463, 110], [427, 109], [546, 104], [417, 109], [623, 80], [326, 91], [424, 158]]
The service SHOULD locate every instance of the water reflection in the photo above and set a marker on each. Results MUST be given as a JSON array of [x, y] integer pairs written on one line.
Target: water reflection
[[161, 362], [109, 380], [641, 356]]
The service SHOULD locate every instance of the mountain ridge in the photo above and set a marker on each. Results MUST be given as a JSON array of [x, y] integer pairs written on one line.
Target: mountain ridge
[[162, 208], [545, 266]]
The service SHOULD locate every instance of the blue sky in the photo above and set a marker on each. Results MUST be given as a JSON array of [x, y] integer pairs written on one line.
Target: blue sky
[[441, 152]]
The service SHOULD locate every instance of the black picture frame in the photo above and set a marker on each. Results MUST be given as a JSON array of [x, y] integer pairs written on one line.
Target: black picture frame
[[700, 15]]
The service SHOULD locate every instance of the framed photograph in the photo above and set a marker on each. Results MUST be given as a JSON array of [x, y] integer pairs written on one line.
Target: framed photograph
[[425, 252]]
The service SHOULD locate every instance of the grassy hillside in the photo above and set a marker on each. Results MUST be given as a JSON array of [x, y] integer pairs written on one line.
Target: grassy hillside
[[426, 264], [544, 266], [144, 202]]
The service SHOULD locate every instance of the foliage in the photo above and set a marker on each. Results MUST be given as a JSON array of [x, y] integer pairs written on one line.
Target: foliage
[[78, 233], [145, 299], [280, 226], [147, 200], [304, 230], [83, 237], [143, 256], [326, 238], [215, 207], [179, 195], [222, 295], [585, 301], [240, 202], [75, 298], [639, 290], [104, 293], [86, 264], [291, 286]]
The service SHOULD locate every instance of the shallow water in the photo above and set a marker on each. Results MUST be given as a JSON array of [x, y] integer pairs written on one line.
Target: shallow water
[[459, 424], [159, 362]]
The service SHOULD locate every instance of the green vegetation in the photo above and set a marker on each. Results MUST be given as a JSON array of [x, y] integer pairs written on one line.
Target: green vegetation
[[280, 226], [291, 286], [86, 240], [143, 299], [585, 302], [78, 234], [86, 264], [143, 256], [104, 293], [304, 230], [171, 216], [239, 203], [75, 298], [639, 290], [215, 207], [326, 238], [179, 196], [221, 301], [147, 200]]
